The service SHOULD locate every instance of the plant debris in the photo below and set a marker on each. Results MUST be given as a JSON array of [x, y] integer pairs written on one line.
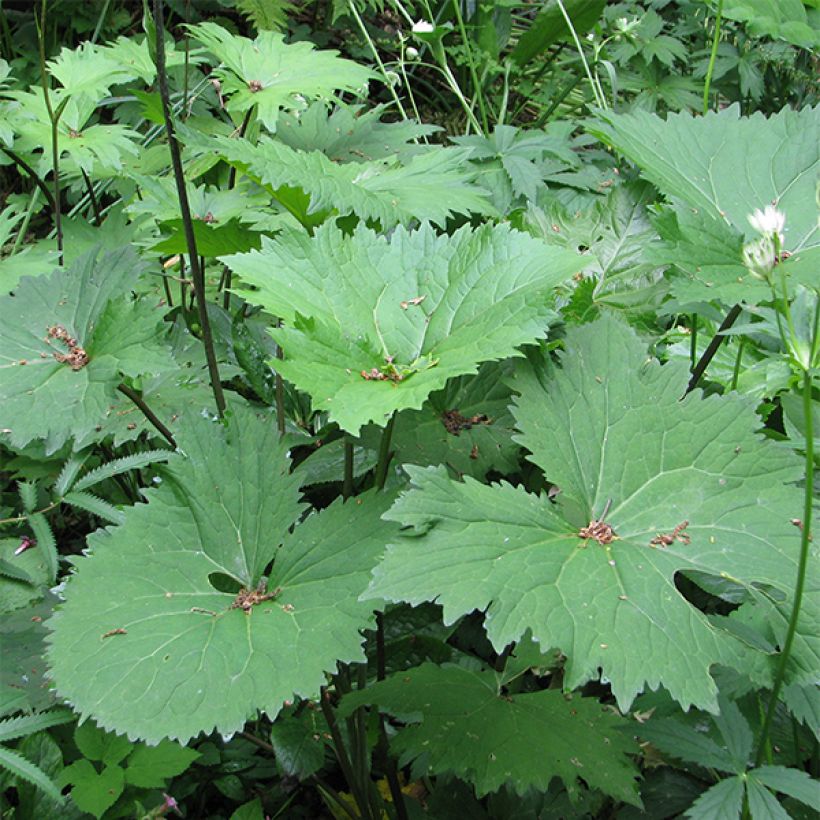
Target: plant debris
[[454, 422], [76, 357]]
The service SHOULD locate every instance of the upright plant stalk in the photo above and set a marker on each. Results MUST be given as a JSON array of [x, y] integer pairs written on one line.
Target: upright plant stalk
[[709, 354], [197, 274], [599, 101], [54, 119], [712, 57], [805, 538], [471, 65], [384, 454], [390, 768]]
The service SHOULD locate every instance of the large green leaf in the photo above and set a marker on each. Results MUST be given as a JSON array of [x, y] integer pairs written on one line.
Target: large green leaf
[[409, 312], [729, 165], [67, 340], [268, 73], [431, 185], [610, 430], [149, 643], [464, 724]]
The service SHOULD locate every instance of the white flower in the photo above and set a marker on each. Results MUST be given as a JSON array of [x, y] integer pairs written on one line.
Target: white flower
[[768, 222], [423, 27], [412, 53], [759, 256]]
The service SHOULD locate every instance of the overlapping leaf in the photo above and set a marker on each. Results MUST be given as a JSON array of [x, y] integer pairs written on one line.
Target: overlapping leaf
[[464, 725], [351, 133], [727, 166], [268, 73], [467, 426], [432, 185], [67, 339], [683, 485], [147, 643], [408, 312]]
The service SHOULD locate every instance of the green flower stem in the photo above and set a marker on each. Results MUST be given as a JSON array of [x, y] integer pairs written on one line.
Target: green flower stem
[[712, 57], [693, 341], [738, 360], [375, 52], [197, 273], [599, 101], [471, 66], [805, 537], [384, 454], [54, 119]]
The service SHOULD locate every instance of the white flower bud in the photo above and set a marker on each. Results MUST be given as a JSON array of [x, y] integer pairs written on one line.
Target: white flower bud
[[768, 222], [759, 257], [412, 53], [423, 27]]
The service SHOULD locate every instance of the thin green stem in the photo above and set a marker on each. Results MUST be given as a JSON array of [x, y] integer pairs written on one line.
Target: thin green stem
[[100, 20], [565, 92], [712, 57], [738, 359], [600, 102], [805, 538], [471, 67], [197, 274], [21, 231], [347, 485], [54, 119], [385, 454], [693, 341], [374, 51]]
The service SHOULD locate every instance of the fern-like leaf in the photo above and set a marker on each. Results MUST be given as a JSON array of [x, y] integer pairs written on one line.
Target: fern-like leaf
[[432, 185], [27, 491], [94, 505], [45, 542], [26, 770], [266, 15], [23, 725], [68, 474], [121, 465]]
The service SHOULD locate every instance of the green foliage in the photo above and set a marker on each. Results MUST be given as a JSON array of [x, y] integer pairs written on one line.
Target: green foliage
[[267, 74], [589, 598], [199, 656], [726, 165], [462, 723], [433, 185], [494, 493], [68, 339], [409, 313]]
